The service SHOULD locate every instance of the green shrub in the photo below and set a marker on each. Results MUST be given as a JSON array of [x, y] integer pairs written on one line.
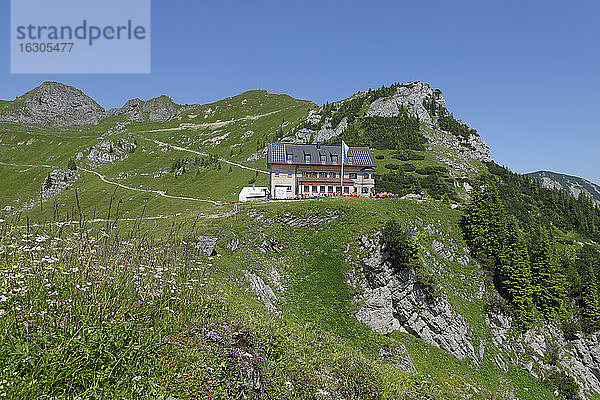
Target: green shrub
[[397, 240], [565, 385], [408, 155]]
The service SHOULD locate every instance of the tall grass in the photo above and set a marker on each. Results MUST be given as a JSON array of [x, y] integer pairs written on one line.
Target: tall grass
[[92, 313], [83, 311]]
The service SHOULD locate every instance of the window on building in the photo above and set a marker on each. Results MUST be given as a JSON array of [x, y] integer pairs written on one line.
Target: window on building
[[366, 176], [365, 190], [306, 188], [322, 174], [289, 174], [334, 158], [323, 158], [322, 189], [332, 174], [350, 160], [330, 189], [338, 189], [289, 188], [307, 158], [276, 173], [314, 189], [352, 175], [346, 189], [289, 157]]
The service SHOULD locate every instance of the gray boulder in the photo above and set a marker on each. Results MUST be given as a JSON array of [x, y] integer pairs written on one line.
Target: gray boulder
[[262, 290]]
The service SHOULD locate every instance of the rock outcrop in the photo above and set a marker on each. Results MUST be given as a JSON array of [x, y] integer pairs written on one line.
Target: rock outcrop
[[419, 100], [262, 290], [578, 357], [327, 131], [409, 96], [52, 105], [206, 245], [394, 300], [412, 97], [132, 109], [109, 151], [159, 109]]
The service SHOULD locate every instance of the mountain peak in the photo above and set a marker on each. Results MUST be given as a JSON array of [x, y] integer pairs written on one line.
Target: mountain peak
[[53, 105], [158, 109]]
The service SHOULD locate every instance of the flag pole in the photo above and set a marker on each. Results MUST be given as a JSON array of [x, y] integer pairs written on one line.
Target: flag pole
[[342, 174]]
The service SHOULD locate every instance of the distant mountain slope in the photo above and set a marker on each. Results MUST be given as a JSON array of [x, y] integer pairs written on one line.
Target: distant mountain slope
[[571, 184], [52, 105], [59, 106], [159, 109]]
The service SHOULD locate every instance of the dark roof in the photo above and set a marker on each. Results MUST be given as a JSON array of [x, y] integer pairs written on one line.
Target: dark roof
[[278, 154]]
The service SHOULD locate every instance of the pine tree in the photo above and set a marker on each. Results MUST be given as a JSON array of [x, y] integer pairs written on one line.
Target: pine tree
[[71, 164], [514, 276], [48, 182], [549, 284], [484, 224], [587, 262]]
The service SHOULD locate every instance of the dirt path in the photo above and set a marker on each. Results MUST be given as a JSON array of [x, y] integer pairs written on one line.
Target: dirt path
[[104, 220], [103, 178], [205, 154], [158, 192], [212, 125], [27, 165]]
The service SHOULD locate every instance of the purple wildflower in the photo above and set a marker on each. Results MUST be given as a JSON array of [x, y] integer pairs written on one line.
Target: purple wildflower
[[212, 335]]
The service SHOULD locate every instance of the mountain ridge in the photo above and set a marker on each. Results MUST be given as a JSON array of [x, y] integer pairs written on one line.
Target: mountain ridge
[[55, 105], [573, 184]]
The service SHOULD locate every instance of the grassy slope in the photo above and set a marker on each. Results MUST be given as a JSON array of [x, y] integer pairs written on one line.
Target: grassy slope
[[316, 325], [55, 148], [314, 342]]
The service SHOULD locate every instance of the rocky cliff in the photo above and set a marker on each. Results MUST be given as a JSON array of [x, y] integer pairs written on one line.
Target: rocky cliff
[[52, 105], [394, 300]]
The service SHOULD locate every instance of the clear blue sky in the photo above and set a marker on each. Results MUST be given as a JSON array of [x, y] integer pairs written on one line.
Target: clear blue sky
[[525, 74]]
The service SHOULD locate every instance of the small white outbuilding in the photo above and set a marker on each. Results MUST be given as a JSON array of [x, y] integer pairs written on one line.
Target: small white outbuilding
[[253, 193]]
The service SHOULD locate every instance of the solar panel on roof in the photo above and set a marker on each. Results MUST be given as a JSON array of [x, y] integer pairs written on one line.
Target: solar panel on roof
[[362, 157], [278, 152]]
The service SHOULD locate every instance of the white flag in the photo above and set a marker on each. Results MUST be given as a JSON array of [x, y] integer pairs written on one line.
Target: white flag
[[345, 149]]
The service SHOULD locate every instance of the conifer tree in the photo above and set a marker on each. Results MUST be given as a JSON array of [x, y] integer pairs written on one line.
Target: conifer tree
[[514, 276], [484, 224], [587, 261], [48, 181], [549, 285]]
